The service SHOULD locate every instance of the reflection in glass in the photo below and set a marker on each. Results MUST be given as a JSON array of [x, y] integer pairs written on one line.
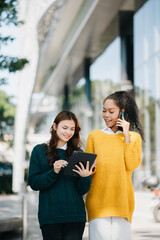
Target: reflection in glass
[[147, 81]]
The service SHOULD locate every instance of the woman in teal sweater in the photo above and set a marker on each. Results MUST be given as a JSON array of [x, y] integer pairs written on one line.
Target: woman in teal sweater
[[61, 213]]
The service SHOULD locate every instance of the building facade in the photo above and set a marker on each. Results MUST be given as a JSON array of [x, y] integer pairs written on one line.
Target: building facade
[[85, 51]]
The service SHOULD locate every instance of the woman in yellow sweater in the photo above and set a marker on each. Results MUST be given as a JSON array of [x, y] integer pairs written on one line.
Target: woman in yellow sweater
[[110, 201]]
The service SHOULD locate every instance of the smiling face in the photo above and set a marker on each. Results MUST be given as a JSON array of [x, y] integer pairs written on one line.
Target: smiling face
[[110, 114], [65, 131]]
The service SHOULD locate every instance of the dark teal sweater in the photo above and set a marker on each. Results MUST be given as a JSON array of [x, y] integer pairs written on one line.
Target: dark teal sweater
[[60, 196]]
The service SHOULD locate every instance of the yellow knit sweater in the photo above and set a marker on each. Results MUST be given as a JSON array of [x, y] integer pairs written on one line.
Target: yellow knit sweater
[[112, 192]]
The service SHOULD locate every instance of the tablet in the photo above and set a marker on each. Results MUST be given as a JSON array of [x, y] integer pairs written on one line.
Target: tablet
[[76, 157]]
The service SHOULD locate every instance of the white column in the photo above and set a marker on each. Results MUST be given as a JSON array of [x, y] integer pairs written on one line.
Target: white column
[[30, 12]]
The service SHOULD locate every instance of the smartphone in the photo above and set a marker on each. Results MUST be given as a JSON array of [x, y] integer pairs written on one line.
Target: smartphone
[[125, 115]]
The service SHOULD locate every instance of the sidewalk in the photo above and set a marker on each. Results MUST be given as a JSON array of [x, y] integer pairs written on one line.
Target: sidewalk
[[143, 225], [11, 206], [10, 214]]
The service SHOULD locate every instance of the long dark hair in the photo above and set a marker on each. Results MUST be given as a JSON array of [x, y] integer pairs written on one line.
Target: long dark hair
[[124, 100], [73, 144]]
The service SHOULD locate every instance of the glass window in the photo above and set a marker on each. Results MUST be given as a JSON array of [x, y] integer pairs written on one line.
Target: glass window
[[107, 66], [147, 80], [105, 78]]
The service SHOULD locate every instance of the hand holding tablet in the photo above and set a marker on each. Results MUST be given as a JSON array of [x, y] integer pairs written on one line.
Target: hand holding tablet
[[79, 162], [83, 171]]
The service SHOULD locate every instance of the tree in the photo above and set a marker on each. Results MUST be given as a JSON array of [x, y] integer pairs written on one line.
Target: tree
[[8, 16], [7, 113]]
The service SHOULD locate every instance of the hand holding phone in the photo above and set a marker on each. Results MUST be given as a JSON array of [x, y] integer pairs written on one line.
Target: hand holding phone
[[125, 115]]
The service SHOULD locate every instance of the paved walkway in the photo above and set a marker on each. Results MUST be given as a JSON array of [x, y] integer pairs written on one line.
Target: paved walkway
[[143, 226]]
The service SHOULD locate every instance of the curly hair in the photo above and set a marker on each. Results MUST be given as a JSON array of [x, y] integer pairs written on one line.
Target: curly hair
[[73, 144], [124, 100]]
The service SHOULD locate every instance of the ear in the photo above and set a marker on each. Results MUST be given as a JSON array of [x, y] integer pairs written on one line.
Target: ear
[[54, 126]]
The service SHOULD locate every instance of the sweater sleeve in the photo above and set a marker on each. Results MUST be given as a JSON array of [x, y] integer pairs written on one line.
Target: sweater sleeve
[[89, 145], [37, 178], [133, 154], [83, 184], [90, 148]]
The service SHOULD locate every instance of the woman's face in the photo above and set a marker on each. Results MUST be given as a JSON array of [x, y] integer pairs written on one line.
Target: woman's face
[[110, 114], [65, 130]]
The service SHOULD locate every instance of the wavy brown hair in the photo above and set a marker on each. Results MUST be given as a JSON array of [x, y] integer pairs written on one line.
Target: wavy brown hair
[[73, 144]]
